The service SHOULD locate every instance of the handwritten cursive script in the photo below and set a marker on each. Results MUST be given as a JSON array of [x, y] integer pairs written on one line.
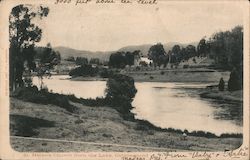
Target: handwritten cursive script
[[167, 155], [201, 155], [78, 2]]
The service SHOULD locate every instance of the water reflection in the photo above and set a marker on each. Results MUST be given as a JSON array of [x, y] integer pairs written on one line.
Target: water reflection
[[167, 105], [84, 89]]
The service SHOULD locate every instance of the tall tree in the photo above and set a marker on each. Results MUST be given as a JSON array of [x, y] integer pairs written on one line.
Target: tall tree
[[236, 47], [117, 60], [156, 52], [226, 48], [175, 54], [121, 59], [202, 48], [95, 61], [191, 51], [81, 61], [23, 36]]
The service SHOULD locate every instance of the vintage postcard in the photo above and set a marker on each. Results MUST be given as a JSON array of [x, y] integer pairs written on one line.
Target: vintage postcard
[[124, 79]]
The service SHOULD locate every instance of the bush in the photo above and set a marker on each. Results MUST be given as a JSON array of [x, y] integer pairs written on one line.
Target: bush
[[84, 70], [31, 94], [121, 86], [232, 135], [105, 73], [89, 102], [120, 92], [235, 81], [221, 85], [202, 134], [26, 126]]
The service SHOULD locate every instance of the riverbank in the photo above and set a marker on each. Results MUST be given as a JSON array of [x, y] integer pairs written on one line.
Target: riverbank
[[179, 75], [100, 125], [235, 96], [168, 75], [81, 78]]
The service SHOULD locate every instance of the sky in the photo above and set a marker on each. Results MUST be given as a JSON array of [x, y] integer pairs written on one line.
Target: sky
[[112, 26]]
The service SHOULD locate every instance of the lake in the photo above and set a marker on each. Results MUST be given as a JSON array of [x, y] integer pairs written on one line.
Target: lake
[[163, 104]]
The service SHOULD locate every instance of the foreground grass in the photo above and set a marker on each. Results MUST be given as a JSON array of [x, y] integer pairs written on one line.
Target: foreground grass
[[63, 101], [101, 124], [25, 126]]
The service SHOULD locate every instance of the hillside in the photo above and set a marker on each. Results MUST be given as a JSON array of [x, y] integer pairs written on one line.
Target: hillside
[[67, 52], [104, 55]]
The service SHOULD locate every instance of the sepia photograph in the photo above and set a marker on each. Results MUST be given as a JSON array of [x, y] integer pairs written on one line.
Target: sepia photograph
[[126, 76]]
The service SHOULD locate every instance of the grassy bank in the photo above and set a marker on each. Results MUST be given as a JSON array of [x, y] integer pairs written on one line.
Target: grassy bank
[[178, 75], [101, 124], [65, 102], [166, 75], [235, 96]]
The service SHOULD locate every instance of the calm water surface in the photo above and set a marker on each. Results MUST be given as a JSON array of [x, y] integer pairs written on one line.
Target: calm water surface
[[163, 104]]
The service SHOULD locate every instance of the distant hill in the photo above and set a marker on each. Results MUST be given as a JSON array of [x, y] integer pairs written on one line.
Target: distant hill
[[104, 56], [67, 52]]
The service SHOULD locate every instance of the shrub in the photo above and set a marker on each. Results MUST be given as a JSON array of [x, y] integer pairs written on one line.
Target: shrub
[[84, 70], [232, 135], [202, 134], [79, 121], [105, 73], [26, 126], [120, 92], [235, 81], [121, 86], [221, 85], [185, 66]]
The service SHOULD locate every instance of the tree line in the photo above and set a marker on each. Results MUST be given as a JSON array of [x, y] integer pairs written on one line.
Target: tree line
[[226, 49], [174, 56], [122, 59], [83, 60]]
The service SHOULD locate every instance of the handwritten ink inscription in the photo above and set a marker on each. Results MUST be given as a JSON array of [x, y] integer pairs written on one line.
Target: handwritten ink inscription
[[236, 154], [105, 1], [126, 1], [62, 1], [167, 155], [81, 1], [78, 2], [133, 158], [147, 1]]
